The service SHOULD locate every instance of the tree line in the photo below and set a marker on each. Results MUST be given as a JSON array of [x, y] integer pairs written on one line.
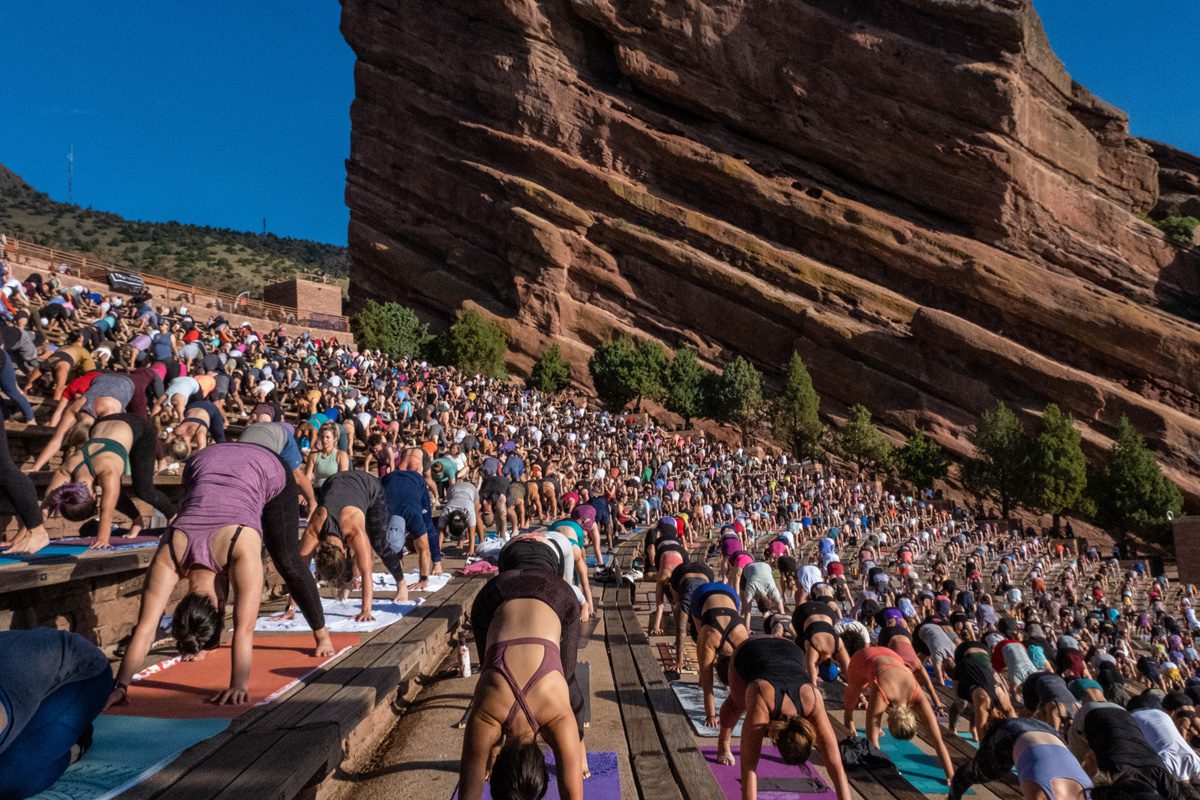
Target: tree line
[[1043, 470]]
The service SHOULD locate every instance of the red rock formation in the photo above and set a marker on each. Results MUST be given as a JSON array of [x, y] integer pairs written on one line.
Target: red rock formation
[[912, 194]]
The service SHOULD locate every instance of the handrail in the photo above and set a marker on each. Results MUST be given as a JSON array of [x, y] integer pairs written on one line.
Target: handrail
[[95, 269]]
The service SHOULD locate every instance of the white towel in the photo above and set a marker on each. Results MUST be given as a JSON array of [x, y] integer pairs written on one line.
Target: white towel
[[339, 617]]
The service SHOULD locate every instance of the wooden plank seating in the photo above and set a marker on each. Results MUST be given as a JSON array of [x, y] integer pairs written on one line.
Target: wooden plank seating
[[666, 760], [277, 750]]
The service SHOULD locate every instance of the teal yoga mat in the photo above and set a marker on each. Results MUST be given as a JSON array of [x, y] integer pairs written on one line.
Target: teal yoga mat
[[922, 770], [126, 750], [58, 551]]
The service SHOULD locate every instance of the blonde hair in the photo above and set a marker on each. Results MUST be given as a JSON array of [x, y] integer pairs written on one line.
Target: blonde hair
[[794, 736], [902, 721]]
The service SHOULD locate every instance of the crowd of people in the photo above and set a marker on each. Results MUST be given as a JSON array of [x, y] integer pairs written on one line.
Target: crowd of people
[[798, 584]]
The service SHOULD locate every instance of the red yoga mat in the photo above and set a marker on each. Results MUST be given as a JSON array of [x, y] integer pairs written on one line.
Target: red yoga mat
[[180, 690]]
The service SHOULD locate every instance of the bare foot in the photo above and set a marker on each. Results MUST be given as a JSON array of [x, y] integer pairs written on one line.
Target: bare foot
[[725, 757], [587, 771], [324, 647], [28, 541], [402, 595]]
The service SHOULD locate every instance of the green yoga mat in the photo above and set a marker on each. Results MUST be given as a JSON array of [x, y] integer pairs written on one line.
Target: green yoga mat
[[127, 750], [921, 769]]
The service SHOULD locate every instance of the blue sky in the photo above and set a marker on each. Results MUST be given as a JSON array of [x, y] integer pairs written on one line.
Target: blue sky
[[217, 113], [223, 113]]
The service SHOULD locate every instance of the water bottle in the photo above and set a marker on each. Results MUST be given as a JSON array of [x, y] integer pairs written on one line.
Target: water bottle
[[464, 655]]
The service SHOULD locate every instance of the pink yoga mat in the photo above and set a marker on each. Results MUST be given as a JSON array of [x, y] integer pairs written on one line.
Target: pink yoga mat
[[776, 780]]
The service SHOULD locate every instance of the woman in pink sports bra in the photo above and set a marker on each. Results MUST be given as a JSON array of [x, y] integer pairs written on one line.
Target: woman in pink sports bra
[[891, 687], [239, 497], [527, 620]]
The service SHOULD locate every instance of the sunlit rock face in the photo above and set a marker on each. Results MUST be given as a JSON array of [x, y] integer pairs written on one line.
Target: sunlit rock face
[[912, 194]]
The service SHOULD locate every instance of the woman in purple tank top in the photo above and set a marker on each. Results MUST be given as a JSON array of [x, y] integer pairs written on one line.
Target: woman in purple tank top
[[239, 497]]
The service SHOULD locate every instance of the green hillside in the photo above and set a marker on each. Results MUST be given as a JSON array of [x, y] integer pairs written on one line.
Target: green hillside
[[224, 259]]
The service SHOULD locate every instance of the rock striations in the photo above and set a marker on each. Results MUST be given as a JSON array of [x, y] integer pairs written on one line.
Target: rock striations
[[912, 194]]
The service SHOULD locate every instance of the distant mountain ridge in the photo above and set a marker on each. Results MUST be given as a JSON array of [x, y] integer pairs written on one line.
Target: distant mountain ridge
[[220, 258]]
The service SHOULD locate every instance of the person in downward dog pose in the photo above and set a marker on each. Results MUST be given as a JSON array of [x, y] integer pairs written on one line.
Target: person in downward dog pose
[[239, 497], [526, 622], [769, 682], [89, 480], [718, 630], [1046, 769], [891, 689]]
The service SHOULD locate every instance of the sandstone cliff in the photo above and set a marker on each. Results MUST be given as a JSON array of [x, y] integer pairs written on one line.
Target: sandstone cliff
[[912, 194]]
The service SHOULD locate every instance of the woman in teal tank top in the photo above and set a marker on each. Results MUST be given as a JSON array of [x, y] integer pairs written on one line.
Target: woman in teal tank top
[[325, 460]]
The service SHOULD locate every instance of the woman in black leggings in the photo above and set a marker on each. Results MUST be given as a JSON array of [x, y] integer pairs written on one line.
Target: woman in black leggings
[[120, 444], [16, 486]]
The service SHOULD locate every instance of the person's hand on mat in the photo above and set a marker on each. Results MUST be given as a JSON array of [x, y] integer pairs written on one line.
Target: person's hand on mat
[[419, 586], [656, 631], [712, 721], [230, 697], [118, 697], [196, 656], [364, 616], [288, 613], [100, 544]]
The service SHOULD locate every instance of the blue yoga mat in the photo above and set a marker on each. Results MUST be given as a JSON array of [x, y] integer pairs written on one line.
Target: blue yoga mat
[[604, 784], [50, 551], [921, 769], [591, 560], [126, 750], [691, 697]]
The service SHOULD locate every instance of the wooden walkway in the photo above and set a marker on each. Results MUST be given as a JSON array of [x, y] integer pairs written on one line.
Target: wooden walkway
[[666, 759]]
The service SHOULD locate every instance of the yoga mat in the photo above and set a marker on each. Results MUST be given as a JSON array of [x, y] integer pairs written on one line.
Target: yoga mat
[[180, 689], [339, 617], [604, 784], [58, 551], [125, 751], [385, 582], [591, 560], [776, 780], [691, 697], [118, 542], [920, 769]]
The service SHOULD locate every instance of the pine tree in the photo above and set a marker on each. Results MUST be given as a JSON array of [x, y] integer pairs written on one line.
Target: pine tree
[[550, 373], [739, 396], [390, 327], [863, 443], [795, 418], [685, 385], [650, 370], [1057, 466], [1130, 491], [921, 461], [474, 344], [613, 367], [1001, 466]]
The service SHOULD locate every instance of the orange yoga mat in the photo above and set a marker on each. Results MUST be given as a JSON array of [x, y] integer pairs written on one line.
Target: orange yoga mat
[[180, 690]]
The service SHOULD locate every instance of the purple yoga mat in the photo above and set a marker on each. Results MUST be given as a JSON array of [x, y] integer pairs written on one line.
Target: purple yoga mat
[[776, 780], [605, 783]]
